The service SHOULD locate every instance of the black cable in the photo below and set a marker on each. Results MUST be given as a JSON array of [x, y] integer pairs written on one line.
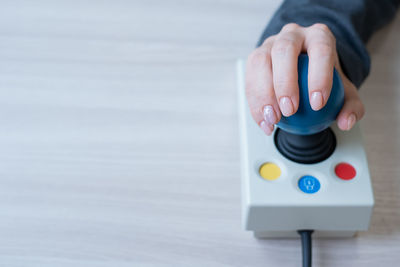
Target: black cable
[[306, 246]]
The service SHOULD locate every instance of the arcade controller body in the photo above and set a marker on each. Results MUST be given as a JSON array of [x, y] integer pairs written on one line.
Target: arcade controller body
[[333, 197]]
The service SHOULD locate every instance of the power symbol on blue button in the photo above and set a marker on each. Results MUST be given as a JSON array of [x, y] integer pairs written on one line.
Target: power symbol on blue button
[[309, 184]]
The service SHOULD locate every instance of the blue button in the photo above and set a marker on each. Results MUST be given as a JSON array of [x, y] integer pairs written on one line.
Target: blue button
[[309, 184]]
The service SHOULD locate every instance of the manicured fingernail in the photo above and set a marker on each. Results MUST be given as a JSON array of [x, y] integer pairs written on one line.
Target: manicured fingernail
[[316, 100], [266, 127], [269, 114], [351, 120], [286, 106]]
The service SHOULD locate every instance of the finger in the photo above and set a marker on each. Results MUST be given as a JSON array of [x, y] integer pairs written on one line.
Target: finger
[[353, 109], [259, 88], [321, 49], [284, 54]]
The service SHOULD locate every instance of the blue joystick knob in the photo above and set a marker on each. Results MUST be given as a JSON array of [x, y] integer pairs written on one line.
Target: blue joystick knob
[[306, 121]]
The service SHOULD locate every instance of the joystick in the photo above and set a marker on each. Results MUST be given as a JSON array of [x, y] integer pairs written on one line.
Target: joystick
[[308, 174], [305, 137]]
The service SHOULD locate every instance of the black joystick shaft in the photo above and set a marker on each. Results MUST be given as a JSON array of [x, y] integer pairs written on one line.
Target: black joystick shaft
[[307, 149]]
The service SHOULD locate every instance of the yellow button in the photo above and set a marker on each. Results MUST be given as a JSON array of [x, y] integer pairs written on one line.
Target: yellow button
[[270, 171]]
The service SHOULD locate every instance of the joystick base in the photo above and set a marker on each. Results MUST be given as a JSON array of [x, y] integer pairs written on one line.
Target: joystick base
[[306, 149]]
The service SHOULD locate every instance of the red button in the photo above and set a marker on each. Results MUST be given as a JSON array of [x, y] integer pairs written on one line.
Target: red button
[[345, 171]]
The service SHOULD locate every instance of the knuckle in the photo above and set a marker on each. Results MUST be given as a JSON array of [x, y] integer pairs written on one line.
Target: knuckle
[[269, 40], [258, 58], [323, 30], [252, 56], [290, 27], [322, 27]]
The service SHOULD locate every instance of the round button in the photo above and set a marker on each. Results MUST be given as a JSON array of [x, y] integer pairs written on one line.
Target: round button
[[309, 184], [345, 171], [270, 171]]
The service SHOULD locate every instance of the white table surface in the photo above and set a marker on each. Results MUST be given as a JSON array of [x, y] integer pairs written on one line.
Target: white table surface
[[119, 137]]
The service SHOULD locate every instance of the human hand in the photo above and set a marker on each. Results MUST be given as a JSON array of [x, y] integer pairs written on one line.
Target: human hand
[[272, 83]]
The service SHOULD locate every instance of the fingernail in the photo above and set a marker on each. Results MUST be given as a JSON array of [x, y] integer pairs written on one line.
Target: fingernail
[[286, 106], [266, 127], [316, 100], [351, 120], [269, 114]]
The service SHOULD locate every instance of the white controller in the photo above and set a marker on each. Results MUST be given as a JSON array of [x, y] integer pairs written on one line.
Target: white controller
[[279, 196]]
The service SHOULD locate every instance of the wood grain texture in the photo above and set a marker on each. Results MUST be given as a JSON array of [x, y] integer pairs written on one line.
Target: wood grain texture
[[119, 139]]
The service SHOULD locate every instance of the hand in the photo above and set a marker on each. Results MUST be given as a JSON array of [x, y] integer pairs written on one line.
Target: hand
[[271, 76]]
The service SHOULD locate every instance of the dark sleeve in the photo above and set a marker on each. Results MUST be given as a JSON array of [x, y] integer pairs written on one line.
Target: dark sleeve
[[351, 21]]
